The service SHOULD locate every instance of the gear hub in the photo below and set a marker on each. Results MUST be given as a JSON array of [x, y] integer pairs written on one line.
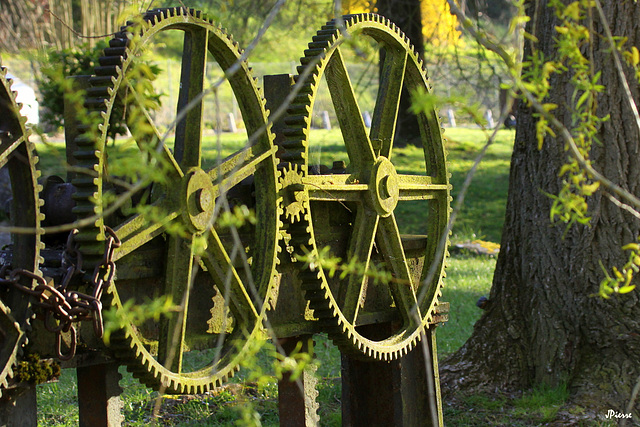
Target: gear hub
[[199, 200], [383, 185]]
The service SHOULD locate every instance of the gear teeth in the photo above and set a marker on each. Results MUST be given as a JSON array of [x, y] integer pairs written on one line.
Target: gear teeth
[[126, 343], [26, 195], [295, 147]]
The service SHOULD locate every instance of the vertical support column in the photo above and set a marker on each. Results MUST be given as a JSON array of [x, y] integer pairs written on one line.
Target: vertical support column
[[71, 120], [297, 403], [420, 384], [18, 407], [99, 402], [276, 89], [402, 393], [370, 388]]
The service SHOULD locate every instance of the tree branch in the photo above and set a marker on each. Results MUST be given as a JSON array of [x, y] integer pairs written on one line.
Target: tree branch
[[630, 199]]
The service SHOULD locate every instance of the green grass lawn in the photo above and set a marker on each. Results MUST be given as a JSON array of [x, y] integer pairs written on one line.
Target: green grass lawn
[[468, 278], [482, 214]]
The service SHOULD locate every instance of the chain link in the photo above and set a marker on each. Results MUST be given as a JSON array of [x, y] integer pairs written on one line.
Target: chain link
[[63, 308]]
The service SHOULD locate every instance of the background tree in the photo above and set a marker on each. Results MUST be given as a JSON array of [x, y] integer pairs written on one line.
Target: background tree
[[244, 18], [544, 323], [422, 21], [40, 24], [500, 11]]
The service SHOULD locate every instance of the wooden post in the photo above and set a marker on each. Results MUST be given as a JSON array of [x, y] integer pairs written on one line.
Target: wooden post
[[420, 384], [370, 393], [99, 402], [297, 403], [400, 393], [276, 89], [18, 407]]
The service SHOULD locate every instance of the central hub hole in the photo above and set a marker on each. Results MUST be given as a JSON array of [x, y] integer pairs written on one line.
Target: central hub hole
[[383, 188], [203, 199]]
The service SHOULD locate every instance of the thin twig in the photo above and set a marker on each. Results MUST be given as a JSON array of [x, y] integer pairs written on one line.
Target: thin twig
[[442, 243], [632, 399], [444, 237], [621, 205]]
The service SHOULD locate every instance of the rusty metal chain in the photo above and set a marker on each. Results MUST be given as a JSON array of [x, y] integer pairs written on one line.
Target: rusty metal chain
[[62, 308]]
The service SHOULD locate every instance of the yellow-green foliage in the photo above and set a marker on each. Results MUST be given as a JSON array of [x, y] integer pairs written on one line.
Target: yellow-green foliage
[[135, 313], [332, 265], [573, 44], [570, 204], [439, 26], [620, 281]]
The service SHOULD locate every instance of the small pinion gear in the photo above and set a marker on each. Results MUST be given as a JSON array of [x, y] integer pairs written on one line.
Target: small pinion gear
[[295, 198]]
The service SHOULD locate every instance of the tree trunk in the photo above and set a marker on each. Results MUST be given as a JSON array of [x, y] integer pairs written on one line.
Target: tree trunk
[[543, 324], [406, 14]]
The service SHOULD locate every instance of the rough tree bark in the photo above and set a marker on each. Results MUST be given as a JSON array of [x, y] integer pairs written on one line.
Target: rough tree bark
[[543, 325]]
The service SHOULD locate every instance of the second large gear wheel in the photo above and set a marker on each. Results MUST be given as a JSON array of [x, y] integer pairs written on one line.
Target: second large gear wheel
[[18, 161], [174, 244], [367, 195]]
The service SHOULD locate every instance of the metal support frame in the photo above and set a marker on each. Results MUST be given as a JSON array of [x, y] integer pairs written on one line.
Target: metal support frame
[[404, 392]]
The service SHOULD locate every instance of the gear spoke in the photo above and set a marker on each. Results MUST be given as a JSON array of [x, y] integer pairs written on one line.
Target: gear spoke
[[402, 288], [420, 187], [139, 229], [9, 149], [385, 114], [339, 187], [352, 126], [239, 166], [188, 140], [226, 277], [360, 247], [178, 282]]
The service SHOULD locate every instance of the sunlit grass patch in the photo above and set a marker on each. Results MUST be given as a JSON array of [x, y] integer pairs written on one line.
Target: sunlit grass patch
[[468, 278]]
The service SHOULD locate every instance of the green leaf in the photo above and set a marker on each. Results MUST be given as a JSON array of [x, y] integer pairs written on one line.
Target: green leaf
[[626, 289], [631, 247], [588, 190], [572, 11], [582, 99]]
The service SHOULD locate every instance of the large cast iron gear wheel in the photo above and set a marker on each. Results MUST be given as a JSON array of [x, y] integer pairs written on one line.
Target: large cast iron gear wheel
[[369, 193], [18, 159], [224, 299]]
